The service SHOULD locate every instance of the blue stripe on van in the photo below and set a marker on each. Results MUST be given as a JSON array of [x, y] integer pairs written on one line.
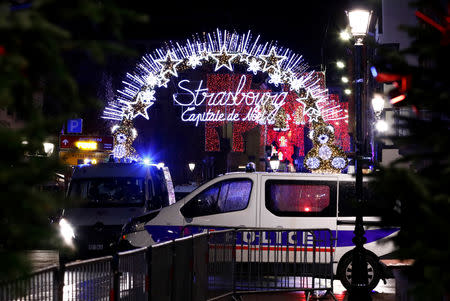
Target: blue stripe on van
[[166, 233], [344, 237]]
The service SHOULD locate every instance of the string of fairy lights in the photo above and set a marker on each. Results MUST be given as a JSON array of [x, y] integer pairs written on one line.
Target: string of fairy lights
[[223, 51]]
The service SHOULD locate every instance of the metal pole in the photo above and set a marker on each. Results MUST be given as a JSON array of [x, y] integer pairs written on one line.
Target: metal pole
[[359, 290]]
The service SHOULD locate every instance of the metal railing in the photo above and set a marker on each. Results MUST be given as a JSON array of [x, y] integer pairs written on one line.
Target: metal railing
[[205, 266], [88, 279], [284, 260], [40, 285]]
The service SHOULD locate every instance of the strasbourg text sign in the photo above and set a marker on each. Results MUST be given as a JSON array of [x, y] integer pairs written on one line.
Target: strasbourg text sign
[[193, 101]]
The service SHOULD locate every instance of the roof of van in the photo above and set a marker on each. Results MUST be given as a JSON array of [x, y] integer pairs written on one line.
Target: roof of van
[[295, 174], [106, 170]]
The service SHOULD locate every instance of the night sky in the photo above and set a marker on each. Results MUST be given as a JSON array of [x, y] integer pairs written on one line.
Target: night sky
[[303, 26]]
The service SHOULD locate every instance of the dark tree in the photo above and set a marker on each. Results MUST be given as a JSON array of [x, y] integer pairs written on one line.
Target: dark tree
[[39, 43], [416, 188]]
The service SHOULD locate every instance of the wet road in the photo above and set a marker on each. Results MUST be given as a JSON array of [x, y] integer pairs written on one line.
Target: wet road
[[43, 258], [383, 292]]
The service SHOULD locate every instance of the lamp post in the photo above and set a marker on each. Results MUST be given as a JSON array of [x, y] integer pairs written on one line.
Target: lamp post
[[359, 23], [191, 166], [274, 162], [378, 107]]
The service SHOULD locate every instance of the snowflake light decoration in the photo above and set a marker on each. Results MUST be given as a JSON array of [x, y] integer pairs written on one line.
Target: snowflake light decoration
[[254, 66]]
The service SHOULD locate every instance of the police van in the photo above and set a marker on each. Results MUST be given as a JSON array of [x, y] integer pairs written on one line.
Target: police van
[[103, 197], [271, 200]]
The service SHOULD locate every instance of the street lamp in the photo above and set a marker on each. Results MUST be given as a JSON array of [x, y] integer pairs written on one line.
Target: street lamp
[[378, 107], [377, 104], [274, 162], [359, 20], [381, 126]]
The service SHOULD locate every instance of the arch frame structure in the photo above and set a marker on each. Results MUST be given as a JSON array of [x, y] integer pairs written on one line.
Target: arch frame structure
[[223, 51]]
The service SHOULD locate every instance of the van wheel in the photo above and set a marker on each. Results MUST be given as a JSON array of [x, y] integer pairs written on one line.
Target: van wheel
[[344, 270]]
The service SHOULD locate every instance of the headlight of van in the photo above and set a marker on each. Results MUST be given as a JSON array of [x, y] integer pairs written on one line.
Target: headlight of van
[[66, 230]]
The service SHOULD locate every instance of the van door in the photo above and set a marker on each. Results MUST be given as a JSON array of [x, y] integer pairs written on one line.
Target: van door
[[226, 202], [304, 202]]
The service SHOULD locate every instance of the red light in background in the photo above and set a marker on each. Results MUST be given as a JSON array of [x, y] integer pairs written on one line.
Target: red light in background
[[307, 209], [398, 98]]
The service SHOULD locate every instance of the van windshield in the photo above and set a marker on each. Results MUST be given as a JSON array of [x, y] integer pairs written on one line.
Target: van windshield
[[108, 191]]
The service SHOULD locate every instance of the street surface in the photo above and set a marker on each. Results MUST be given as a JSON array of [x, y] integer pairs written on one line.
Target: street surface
[[383, 292], [43, 258]]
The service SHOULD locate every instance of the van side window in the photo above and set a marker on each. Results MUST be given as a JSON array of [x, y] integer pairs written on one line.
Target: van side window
[[301, 198], [225, 196], [159, 196], [347, 200]]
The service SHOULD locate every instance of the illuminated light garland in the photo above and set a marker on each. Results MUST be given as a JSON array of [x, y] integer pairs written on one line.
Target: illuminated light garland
[[339, 122], [169, 65], [139, 107], [223, 50], [325, 152], [194, 61], [339, 163], [324, 157], [312, 163], [223, 59], [124, 134], [254, 66], [272, 60]]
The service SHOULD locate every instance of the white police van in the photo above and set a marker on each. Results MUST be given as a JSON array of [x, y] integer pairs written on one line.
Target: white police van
[[103, 197], [271, 200]]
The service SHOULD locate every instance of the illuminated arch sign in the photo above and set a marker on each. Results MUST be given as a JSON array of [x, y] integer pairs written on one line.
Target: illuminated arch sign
[[222, 50], [224, 53], [192, 99]]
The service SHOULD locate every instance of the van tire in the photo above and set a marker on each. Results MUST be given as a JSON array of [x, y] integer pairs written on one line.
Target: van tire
[[374, 270]]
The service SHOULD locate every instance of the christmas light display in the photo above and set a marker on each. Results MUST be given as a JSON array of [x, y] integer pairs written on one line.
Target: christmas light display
[[302, 100], [325, 156], [124, 135], [221, 49]]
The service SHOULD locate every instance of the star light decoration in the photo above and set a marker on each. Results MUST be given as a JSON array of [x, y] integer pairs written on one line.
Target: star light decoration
[[223, 59], [311, 108], [272, 61], [224, 50], [169, 65]]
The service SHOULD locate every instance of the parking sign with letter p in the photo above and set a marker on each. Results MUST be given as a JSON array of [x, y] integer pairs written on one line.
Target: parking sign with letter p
[[75, 126]]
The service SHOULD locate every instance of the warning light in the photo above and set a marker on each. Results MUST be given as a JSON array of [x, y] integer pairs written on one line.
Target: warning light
[[307, 209]]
